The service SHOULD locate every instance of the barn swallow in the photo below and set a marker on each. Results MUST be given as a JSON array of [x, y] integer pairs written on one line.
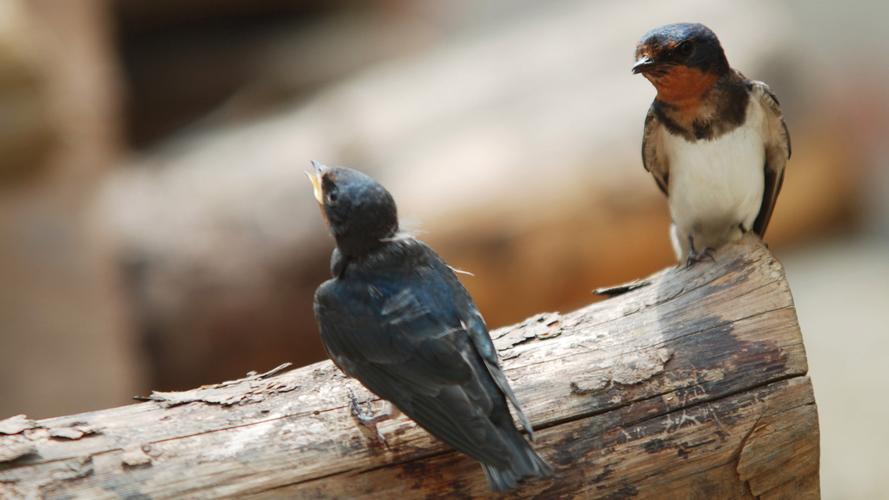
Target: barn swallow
[[714, 141], [395, 317]]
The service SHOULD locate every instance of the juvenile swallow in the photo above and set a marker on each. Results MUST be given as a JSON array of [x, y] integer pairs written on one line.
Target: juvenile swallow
[[395, 317], [714, 141]]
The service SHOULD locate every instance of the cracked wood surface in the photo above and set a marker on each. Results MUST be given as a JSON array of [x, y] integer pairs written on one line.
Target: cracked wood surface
[[691, 385]]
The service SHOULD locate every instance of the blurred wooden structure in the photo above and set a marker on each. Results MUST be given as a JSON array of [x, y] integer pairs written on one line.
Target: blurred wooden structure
[[692, 385], [502, 163], [67, 342]]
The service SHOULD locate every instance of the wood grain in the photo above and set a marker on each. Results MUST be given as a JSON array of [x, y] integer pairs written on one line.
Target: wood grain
[[691, 386]]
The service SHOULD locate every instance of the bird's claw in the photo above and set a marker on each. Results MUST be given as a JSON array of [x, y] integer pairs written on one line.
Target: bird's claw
[[367, 422], [695, 257]]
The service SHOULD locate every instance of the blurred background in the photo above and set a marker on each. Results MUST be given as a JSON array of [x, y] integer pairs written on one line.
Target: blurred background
[[156, 230]]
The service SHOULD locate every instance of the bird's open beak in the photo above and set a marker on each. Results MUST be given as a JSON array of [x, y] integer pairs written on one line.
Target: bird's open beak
[[642, 64], [315, 178]]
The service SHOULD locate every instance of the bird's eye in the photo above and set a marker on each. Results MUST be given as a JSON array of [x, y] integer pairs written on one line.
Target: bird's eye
[[332, 197], [685, 48]]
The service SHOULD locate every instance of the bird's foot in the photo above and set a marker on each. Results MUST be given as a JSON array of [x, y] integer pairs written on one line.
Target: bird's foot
[[367, 422], [695, 257]]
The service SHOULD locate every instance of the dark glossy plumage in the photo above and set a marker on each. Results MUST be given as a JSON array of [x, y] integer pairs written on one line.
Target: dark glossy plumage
[[397, 319], [690, 44]]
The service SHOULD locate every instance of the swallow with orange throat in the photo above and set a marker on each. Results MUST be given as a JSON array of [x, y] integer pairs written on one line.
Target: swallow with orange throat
[[714, 141]]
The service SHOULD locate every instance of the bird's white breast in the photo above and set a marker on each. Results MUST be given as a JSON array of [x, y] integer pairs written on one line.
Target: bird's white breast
[[717, 184]]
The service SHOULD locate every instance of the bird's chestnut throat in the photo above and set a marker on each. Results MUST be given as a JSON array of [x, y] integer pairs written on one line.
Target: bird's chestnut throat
[[683, 87]]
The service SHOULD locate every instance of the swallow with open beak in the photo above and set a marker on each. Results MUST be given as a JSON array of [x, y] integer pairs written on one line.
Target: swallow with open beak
[[714, 141], [395, 317]]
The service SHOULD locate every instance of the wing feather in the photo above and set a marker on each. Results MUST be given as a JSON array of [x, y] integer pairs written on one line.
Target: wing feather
[[653, 157], [778, 151], [472, 322]]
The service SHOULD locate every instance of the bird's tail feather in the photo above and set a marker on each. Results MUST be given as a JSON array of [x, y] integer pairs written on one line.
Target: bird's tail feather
[[523, 463]]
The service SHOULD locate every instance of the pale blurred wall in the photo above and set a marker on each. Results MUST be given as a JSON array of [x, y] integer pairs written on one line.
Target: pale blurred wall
[[65, 342], [840, 283]]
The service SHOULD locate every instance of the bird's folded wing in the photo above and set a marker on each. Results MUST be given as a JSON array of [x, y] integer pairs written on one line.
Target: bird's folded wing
[[482, 341], [777, 148], [653, 157], [407, 353], [473, 324]]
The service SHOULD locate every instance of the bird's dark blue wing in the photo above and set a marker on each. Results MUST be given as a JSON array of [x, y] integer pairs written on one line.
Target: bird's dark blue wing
[[474, 325], [410, 339]]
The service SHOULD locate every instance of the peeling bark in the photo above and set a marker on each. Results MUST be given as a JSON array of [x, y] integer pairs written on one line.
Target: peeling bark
[[250, 389], [135, 457], [15, 448], [74, 431], [16, 424]]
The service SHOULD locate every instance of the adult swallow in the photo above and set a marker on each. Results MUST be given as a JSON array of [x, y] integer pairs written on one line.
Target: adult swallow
[[395, 317], [714, 141]]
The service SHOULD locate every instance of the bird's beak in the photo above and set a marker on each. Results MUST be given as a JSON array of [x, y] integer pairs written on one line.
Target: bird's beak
[[315, 178], [642, 64]]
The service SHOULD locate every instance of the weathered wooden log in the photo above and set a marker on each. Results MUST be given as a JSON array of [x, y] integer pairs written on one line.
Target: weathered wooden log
[[691, 385]]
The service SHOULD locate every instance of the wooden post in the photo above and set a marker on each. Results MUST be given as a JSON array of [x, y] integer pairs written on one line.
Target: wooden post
[[691, 385]]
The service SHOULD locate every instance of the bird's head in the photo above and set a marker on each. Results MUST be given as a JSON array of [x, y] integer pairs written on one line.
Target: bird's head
[[360, 212], [682, 60]]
